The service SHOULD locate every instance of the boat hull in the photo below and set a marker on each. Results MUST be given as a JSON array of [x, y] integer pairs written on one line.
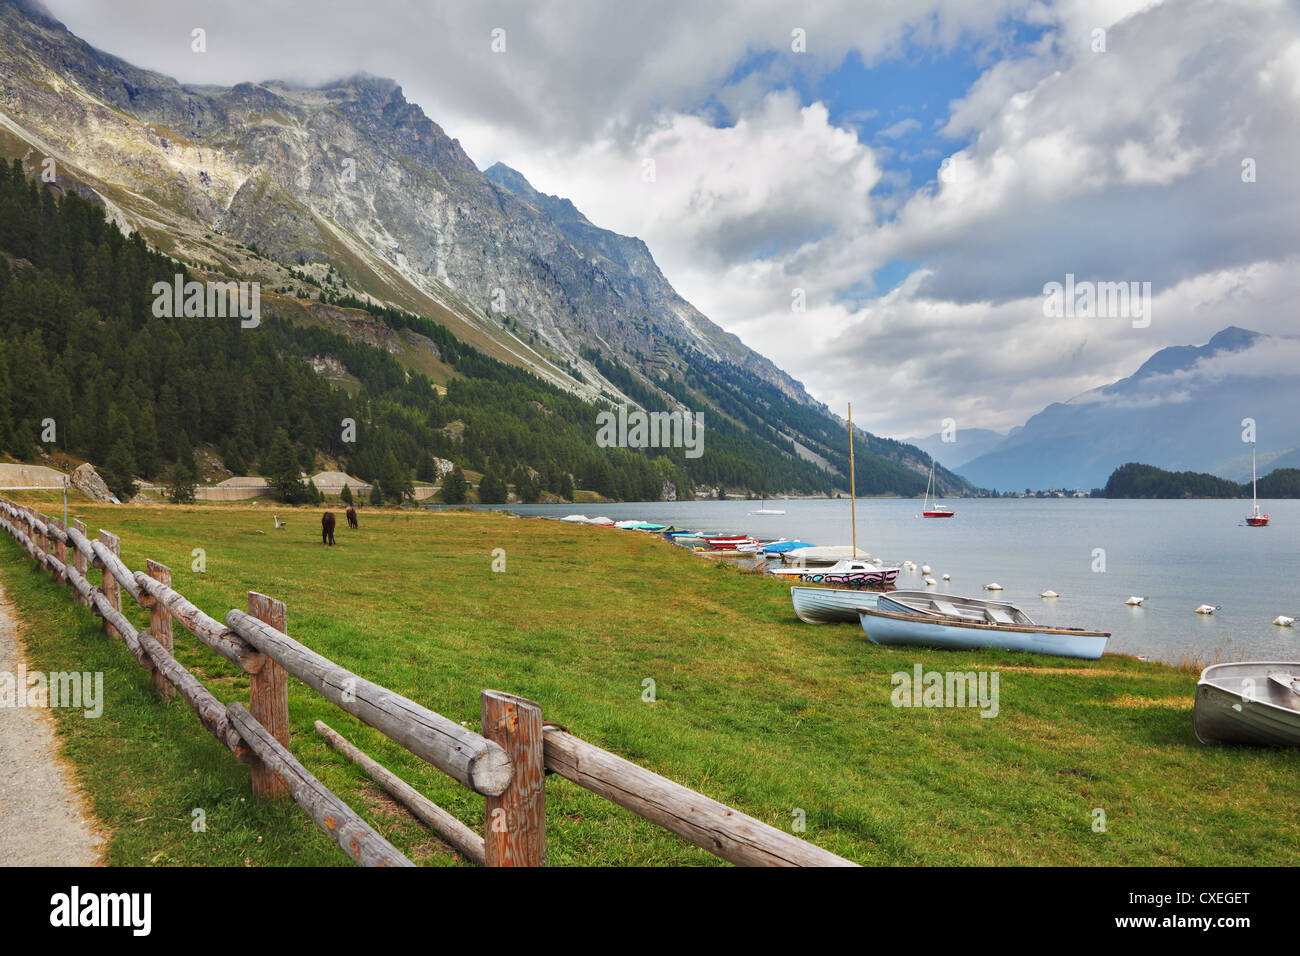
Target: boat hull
[[829, 605], [937, 514], [918, 630], [1226, 712], [1257, 521]]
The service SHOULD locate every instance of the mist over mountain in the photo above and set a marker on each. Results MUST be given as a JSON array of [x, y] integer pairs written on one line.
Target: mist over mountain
[[1182, 410]]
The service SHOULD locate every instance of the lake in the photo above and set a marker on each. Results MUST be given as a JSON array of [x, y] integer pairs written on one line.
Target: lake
[[1176, 554]]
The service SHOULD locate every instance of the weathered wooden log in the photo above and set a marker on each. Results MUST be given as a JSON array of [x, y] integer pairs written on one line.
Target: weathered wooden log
[[80, 558], [43, 531], [268, 696], [120, 626], [211, 712], [514, 821], [425, 810], [59, 543], [55, 531], [207, 629], [707, 823], [160, 625], [113, 565], [77, 538], [353, 835], [106, 548], [460, 753]]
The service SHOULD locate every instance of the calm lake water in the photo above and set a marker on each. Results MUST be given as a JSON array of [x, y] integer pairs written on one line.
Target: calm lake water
[[1176, 554]]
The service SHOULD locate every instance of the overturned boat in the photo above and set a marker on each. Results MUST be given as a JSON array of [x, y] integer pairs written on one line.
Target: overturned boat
[[924, 619], [814, 605], [1250, 702]]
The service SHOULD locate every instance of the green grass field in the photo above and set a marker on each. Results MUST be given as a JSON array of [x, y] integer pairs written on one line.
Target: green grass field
[[753, 707]]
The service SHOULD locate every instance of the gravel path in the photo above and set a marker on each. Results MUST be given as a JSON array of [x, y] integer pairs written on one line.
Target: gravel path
[[44, 819]]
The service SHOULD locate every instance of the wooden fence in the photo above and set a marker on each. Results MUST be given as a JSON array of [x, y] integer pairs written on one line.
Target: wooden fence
[[506, 764]]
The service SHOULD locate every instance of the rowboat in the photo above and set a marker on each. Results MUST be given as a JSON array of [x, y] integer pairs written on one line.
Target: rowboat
[[1250, 702], [923, 619], [729, 542], [850, 574], [830, 605]]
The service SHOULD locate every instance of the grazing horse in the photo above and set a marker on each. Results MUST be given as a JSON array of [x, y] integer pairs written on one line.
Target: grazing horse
[[352, 517], [327, 528]]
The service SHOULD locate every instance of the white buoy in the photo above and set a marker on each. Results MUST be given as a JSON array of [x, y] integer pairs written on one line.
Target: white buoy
[[925, 569], [1283, 621], [1049, 593], [931, 582], [993, 587], [1208, 608], [947, 577], [1135, 601]]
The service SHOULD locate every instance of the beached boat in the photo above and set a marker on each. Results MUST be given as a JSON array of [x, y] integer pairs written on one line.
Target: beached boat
[[778, 548], [1254, 519], [934, 510], [729, 542], [849, 574], [1250, 702], [925, 619], [823, 555], [814, 605]]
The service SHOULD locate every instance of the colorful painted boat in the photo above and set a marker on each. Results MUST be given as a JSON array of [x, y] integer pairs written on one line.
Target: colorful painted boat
[[923, 619], [845, 574], [1249, 702], [814, 605]]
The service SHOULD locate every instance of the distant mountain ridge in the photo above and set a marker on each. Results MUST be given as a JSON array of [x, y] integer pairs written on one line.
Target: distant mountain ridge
[[1180, 411]]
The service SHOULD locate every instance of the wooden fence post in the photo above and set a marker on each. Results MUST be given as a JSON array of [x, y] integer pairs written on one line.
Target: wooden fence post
[[160, 625], [45, 538], [60, 549], [268, 700], [78, 559], [109, 585], [515, 822]]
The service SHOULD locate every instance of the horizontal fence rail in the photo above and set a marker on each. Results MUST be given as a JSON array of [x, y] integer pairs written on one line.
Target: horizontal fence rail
[[506, 764]]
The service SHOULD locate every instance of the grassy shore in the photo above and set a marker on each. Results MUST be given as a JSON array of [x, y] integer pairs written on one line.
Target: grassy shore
[[752, 707]]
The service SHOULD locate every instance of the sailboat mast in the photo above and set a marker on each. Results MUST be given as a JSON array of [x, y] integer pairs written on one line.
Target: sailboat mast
[[853, 488], [1254, 498]]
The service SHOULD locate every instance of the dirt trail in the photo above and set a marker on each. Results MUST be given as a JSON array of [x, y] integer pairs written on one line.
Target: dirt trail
[[44, 818]]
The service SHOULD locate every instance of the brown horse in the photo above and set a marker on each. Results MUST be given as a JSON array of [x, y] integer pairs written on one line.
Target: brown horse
[[352, 517], [327, 528]]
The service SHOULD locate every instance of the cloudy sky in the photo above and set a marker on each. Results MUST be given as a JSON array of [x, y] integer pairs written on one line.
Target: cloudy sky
[[915, 171]]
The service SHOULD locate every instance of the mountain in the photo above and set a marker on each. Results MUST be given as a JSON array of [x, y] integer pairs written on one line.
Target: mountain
[[966, 444], [364, 218], [1182, 410]]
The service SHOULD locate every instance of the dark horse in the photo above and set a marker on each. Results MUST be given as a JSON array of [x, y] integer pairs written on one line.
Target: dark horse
[[352, 517], [327, 528]]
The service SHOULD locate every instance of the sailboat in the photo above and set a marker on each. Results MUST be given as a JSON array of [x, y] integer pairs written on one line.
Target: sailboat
[[934, 510], [765, 510], [1254, 519]]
